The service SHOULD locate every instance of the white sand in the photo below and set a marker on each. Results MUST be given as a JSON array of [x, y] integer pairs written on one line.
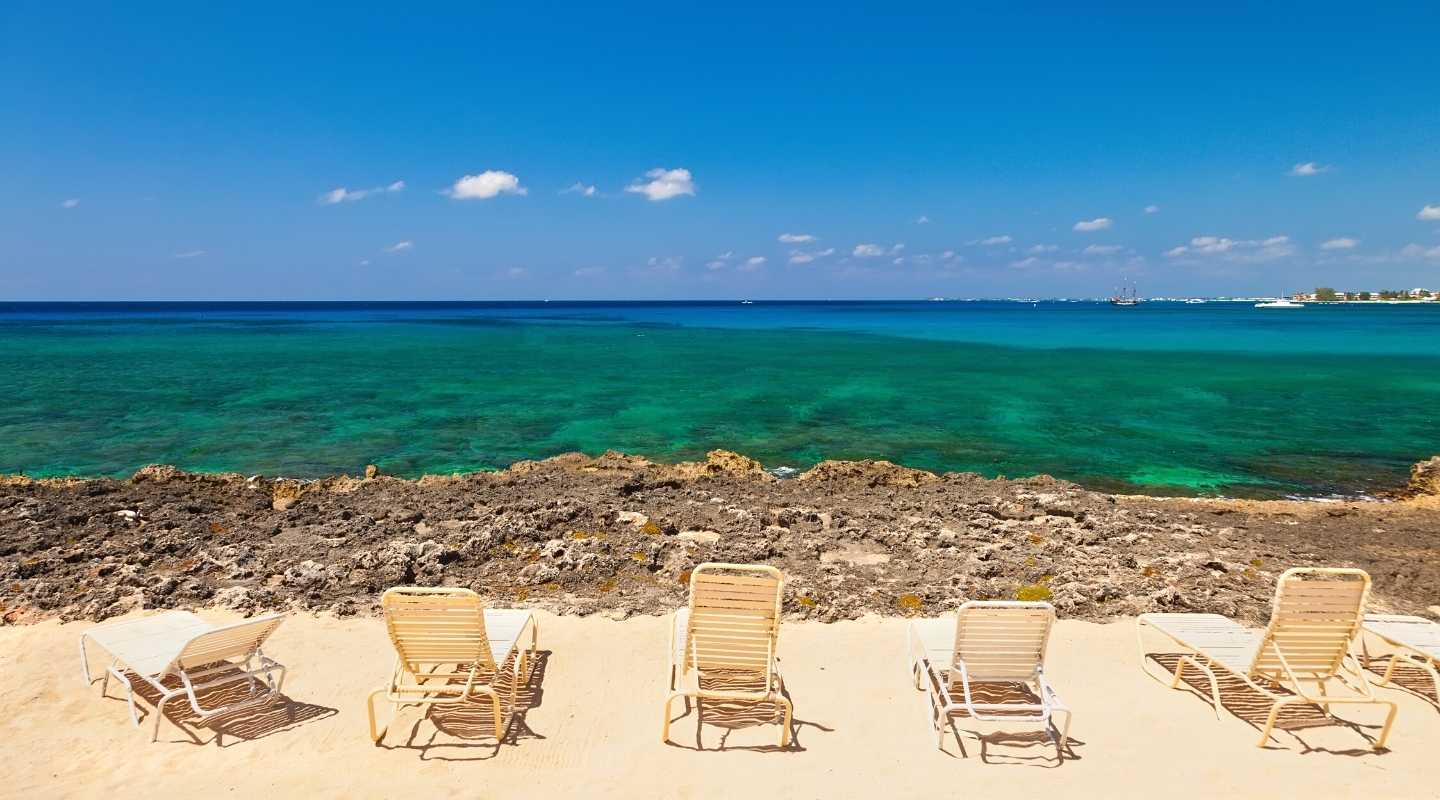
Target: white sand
[[594, 728]]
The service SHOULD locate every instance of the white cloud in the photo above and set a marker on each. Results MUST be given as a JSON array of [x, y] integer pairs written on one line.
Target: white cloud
[[1069, 266], [715, 264], [994, 240], [1341, 243], [1152, 209], [1042, 248], [343, 195], [1308, 168], [897, 249], [922, 220], [1242, 250], [1091, 225], [666, 264], [400, 247], [1418, 251], [797, 238], [488, 184], [1025, 263], [71, 203], [190, 254], [1429, 214], [586, 272], [752, 263], [1102, 249], [364, 262], [581, 189], [517, 272], [664, 184], [868, 251], [803, 257], [948, 255]]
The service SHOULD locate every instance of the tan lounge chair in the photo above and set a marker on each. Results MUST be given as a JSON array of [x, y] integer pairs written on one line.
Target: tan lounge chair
[[997, 642], [726, 637], [1314, 620], [179, 646], [450, 649], [1415, 640]]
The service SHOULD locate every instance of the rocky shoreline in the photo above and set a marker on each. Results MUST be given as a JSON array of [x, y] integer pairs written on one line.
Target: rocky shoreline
[[618, 535]]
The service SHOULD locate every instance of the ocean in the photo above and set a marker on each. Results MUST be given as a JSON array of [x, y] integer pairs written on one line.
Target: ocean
[[1164, 398]]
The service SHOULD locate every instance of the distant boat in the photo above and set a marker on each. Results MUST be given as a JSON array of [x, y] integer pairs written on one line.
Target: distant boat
[[1193, 301], [747, 302], [1280, 302], [1123, 299]]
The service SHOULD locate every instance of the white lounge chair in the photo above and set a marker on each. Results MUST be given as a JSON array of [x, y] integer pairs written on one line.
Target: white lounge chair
[[450, 649], [1414, 640], [997, 642], [1314, 621], [727, 637], [180, 645]]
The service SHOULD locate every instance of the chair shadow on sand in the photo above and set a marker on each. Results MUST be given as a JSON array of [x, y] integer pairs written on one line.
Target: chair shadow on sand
[[1023, 745], [1407, 677], [1253, 708], [471, 725], [732, 716], [242, 725]]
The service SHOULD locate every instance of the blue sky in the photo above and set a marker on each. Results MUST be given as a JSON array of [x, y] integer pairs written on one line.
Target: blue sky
[[184, 152]]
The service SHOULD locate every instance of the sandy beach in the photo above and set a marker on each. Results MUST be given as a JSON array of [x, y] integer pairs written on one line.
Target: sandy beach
[[588, 725]]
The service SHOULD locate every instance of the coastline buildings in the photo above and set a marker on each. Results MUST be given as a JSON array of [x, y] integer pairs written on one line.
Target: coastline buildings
[[1325, 294]]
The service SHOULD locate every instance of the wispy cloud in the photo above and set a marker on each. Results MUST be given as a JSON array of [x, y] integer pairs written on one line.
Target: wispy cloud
[[1238, 250], [664, 264], [1026, 263], [1102, 249], [1340, 243], [797, 238], [1429, 214], [1411, 251], [1040, 249], [589, 272], [664, 184], [922, 220], [1307, 169], [1152, 209], [752, 263], [517, 272], [486, 185], [343, 195], [868, 250], [190, 254], [994, 240], [581, 189], [805, 257], [400, 247], [1092, 225], [71, 203]]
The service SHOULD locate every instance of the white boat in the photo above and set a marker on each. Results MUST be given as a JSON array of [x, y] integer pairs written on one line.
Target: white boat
[[1280, 303], [1193, 301]]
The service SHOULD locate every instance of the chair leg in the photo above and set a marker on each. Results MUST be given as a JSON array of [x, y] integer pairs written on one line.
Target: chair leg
[[1385, 731], [789, 715], [375, 733], [1270, 720], [665, 728]]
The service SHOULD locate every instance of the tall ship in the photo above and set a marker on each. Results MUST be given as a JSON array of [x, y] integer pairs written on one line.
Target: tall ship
[[1124, 297]]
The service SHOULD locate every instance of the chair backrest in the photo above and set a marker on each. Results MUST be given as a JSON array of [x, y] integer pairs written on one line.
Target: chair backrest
[[431, 625], [734, 617], [1002, 640], [238, 640], [1316, 614]]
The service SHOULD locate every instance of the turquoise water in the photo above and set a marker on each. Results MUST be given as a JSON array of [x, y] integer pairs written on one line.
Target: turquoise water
[[1218, 398]]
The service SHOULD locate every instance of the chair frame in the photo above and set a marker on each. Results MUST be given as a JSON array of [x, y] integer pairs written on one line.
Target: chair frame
[[938, 682], [401, 693], [1345, 668], [1403, 653], [252, 668], [773, 682]]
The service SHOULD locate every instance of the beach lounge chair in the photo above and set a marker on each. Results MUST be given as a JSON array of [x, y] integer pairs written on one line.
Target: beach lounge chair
[[179, 646], [1314, 620], [1414, 640], [722, 645], [450, 649], [996, 643]]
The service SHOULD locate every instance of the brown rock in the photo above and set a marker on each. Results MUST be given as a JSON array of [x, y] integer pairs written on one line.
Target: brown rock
[[1425, 477], [869, 473], [371, 471], [284, 494]]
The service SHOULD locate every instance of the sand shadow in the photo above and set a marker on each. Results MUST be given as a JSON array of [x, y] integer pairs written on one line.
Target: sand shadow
[[466, 731], [732, 716], [1035, 747], [282, 713], [1253, 707]]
